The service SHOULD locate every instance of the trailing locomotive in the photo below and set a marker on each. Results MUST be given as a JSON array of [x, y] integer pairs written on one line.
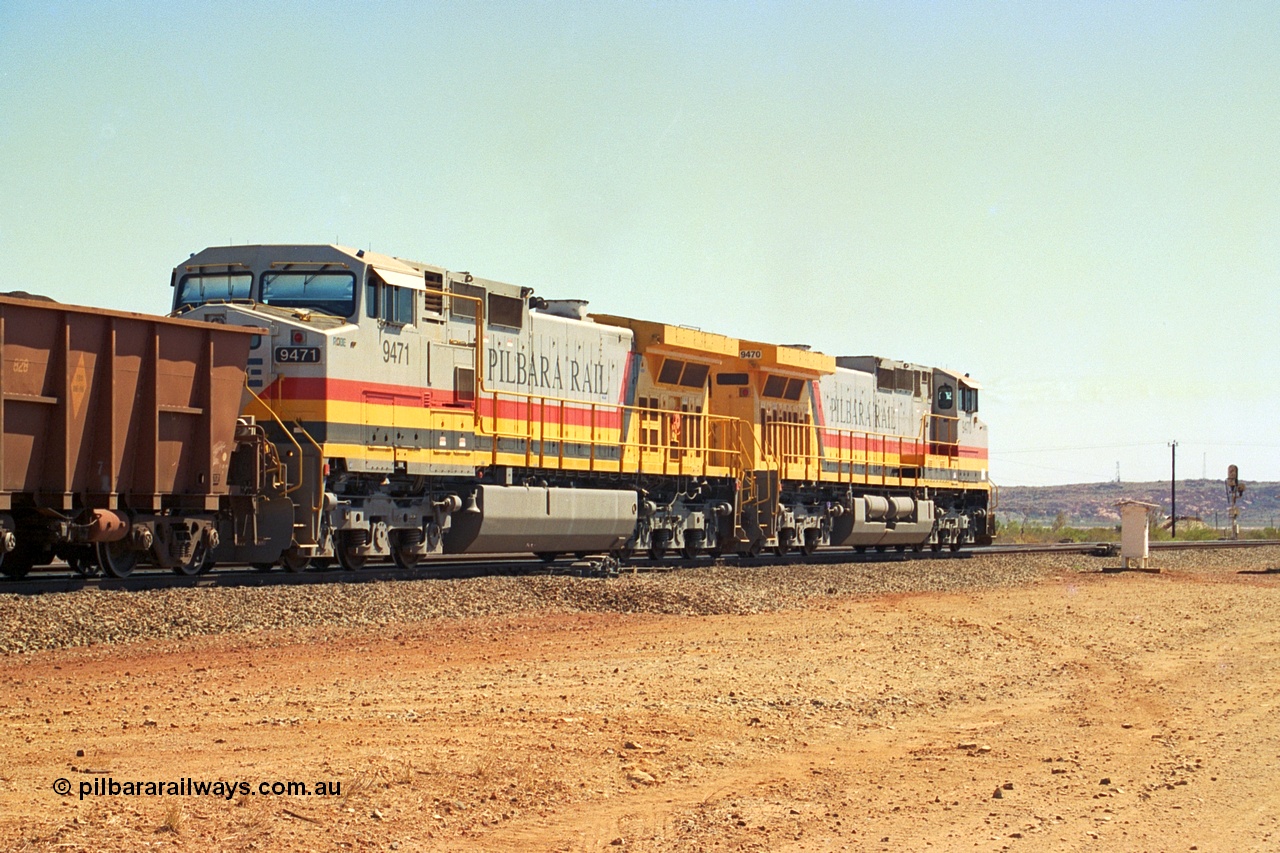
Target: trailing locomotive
[[334, 404], [425, 411]]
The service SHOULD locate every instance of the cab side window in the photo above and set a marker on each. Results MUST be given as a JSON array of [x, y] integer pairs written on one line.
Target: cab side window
[[389, 303]]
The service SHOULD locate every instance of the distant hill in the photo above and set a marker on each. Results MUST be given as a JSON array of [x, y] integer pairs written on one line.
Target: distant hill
[[1093, 504]]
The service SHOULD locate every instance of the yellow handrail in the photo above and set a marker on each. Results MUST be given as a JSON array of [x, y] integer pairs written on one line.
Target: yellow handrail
[[288, 434]]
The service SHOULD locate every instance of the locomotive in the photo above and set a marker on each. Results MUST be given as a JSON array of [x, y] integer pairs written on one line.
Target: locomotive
[[432, 411], [317, 403]]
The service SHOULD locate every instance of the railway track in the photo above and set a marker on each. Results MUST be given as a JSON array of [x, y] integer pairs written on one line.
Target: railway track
[[63, 579], [1111, 549]]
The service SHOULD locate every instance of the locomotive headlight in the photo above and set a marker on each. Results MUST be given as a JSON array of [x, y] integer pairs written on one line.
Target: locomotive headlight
[[299, 337]]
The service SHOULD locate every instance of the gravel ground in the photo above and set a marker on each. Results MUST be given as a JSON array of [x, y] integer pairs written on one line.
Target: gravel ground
[[1028, 702], [89, 618]]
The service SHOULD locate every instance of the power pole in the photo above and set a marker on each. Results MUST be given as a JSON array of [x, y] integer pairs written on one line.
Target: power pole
[[1173, 489]]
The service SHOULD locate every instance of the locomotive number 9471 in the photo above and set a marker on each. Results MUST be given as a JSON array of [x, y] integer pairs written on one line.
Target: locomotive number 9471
[[297, 355]]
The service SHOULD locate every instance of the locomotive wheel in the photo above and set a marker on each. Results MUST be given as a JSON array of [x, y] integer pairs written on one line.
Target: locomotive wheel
[[548, 556], [295, 560], [405, 558], [350, 560], [117, 558], [810, 543], [692, 546], [263, 567], [785, 540], [322, 564], [348, 557]]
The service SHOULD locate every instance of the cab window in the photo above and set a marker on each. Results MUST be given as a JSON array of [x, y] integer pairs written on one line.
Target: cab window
[[326, 292], [389, 303], [946, 397], [199, 288]]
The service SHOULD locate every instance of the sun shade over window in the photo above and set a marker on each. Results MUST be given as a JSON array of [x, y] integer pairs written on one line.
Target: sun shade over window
[[389, 303]]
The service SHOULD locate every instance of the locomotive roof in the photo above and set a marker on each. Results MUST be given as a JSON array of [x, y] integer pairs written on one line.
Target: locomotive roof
[[257, 254], [265, 254]]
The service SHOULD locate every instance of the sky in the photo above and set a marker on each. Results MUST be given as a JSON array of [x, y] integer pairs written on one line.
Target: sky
[[1077, 203]]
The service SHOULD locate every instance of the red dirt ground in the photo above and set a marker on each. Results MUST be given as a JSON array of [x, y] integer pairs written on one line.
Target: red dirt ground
[[1085, 712]]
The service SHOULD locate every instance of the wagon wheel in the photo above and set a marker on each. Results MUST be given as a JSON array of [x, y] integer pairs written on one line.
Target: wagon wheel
[[295, 560], [194, 564], [83, 561], [658, 549], [955, 545], [810, 542], [263, 566], [624, 554], [117, 558], [15, 564], [322, 564], [548, 556]]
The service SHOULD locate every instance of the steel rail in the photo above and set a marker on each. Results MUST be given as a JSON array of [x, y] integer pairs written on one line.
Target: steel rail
[[464, 566], [456, 567]]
